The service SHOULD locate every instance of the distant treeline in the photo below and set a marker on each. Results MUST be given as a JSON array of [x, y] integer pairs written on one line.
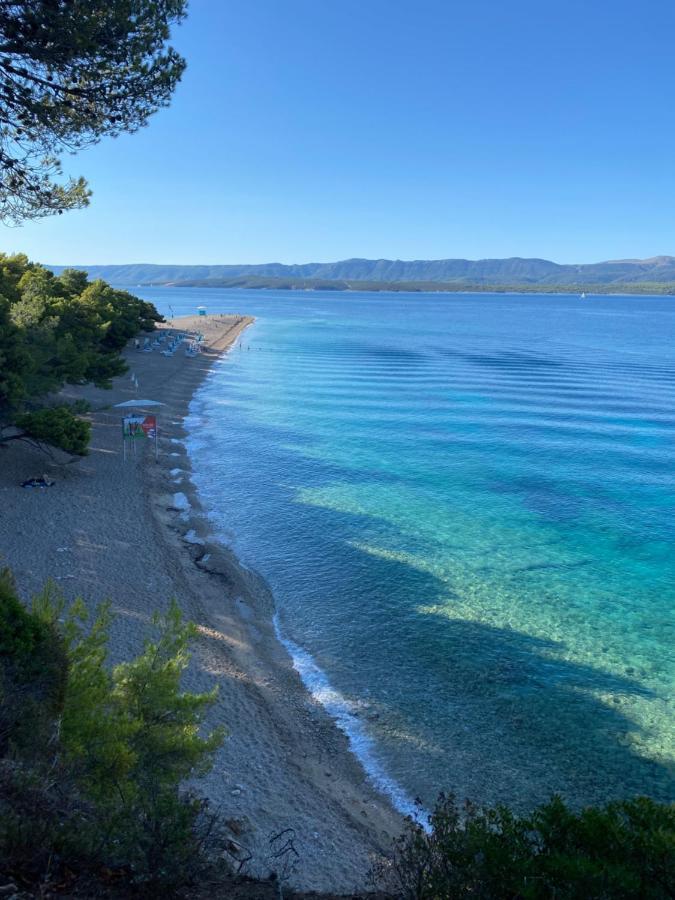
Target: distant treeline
[[254, 282]]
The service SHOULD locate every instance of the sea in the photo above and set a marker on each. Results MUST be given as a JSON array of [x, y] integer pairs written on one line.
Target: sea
[[465, 507]]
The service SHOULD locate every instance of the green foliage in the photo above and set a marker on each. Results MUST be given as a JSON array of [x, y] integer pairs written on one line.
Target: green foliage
[[57, 426], [61, 330], [42, 818], [127, 738], [20, 633], [623, 850], [33, 669], [139, 703], [71, 73]]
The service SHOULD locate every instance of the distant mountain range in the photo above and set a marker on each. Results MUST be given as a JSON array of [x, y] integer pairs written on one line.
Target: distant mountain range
[[453, 273]]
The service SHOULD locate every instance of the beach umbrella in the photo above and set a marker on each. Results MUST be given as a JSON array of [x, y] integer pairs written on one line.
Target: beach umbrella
[[131, 403]]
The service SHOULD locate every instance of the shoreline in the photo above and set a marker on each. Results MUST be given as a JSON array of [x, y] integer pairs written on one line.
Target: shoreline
[[137, 532], [315, 681]]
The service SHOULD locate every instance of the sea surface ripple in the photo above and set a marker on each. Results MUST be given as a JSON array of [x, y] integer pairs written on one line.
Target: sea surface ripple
[[465, 506]]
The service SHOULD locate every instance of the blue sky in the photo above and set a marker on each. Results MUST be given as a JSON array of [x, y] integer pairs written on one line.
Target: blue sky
[[315, 130]]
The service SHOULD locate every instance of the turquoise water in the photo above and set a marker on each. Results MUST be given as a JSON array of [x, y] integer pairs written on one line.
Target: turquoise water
[[465, 507]]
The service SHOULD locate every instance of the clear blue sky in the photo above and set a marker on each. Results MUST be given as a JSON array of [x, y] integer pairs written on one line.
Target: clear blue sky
[[315, 130]]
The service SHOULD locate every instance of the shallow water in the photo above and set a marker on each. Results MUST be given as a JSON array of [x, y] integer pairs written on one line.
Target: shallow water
[[465, 507]]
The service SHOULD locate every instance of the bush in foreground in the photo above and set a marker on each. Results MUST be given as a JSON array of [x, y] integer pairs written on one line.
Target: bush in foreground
[[620, 851], [32, 674], [99, 784]]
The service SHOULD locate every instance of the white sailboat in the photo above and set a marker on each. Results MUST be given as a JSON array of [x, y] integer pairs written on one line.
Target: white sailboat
[[583, 296]]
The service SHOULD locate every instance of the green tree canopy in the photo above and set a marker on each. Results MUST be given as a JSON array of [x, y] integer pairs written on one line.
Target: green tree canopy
[[71, 72], [56, 331]]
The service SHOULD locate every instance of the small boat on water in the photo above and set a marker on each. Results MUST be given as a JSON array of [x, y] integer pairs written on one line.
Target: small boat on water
[[583, 296]]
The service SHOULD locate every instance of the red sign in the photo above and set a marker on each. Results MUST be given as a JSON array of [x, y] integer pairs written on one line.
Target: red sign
[[139, 427]]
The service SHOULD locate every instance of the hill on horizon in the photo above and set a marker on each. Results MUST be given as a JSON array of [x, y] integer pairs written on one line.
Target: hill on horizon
[[511, 271]]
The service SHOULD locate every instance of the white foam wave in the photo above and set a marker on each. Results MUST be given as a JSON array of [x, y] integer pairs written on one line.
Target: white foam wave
[[344, 712], [180, 502]]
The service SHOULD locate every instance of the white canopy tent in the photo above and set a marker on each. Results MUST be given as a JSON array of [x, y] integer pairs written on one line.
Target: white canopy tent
[[131, 404]]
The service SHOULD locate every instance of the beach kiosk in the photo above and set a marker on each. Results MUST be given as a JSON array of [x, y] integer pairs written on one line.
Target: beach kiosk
[[201, 310]]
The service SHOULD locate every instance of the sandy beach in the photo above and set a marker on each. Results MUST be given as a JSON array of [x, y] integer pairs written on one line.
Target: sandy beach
[[135, 532]]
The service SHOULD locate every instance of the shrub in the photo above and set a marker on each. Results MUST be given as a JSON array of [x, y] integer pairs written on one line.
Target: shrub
[[20, 633], [33, 673], [59, 427], [623, 850], [133, 737], [33, 669], [43, 819], [101, 783]]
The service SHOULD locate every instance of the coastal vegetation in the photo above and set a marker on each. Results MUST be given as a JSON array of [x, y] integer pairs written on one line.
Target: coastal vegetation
[[58, 426], [70, 74], [624, 851], [57, 330], [93, 759]]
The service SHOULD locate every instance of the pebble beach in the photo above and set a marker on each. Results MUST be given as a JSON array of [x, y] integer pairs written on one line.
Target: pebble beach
[[134, 531]]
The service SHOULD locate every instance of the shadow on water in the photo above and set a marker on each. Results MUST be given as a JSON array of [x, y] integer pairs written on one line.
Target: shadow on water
[[489, 713], [535, 720]]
